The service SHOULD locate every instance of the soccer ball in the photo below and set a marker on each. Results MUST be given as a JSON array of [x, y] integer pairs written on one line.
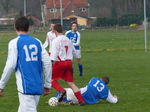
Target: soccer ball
[[53, 101]]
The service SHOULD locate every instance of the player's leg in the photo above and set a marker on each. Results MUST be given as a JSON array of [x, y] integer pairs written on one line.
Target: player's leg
[[80, 67], [28, 103], [71, 96], [56, 85], [78, 53], [69, 78], [77, 93], [57, 72]]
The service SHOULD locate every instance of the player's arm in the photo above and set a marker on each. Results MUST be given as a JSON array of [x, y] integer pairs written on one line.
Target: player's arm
[[10, 64], [111, 98], [47, 69], [1, 92], [78, 40], [54, 51], [46, 41]]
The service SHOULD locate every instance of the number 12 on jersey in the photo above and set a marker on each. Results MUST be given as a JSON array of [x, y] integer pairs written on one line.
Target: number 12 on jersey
[[31, 56]]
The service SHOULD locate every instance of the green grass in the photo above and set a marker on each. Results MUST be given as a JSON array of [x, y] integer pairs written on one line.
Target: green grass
[[117, 54]]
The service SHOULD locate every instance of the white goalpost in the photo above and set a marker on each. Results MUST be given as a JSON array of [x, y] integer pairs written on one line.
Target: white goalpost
[[25, 8], [145, 26]]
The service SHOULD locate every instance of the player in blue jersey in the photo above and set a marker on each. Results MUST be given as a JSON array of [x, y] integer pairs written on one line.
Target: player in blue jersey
[[74, 36], [95, 90], [29, 60]]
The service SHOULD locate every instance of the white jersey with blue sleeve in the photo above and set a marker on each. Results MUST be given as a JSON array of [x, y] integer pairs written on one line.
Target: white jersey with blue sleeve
[[27, 57], [75, 38]]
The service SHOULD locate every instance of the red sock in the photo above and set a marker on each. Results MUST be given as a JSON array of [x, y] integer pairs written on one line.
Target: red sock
[[56, 86], [79, 96]]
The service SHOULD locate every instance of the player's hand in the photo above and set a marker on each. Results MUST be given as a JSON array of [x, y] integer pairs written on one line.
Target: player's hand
[[46, 91], [116, 96], [1, 95]]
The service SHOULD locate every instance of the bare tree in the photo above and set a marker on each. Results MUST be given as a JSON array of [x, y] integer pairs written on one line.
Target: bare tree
[[113, 9], [5, 4]]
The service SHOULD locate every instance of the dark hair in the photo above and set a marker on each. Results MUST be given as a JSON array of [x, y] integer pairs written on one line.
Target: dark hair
[[52, 22], [22, 24], [105, 79], [58, 28], [74, 23]]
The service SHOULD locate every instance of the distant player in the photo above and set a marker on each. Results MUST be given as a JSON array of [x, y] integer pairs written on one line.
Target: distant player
[[62, 54], [74, 36], [95, 90], [50, 37]]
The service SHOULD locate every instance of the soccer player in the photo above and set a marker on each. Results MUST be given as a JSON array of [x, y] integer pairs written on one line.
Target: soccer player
[[62, 54], [74, 36], [27, 57], [50, 37], [95, 90]]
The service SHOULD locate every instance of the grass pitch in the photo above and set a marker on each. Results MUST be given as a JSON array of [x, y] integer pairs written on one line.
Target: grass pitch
[[118, 54]]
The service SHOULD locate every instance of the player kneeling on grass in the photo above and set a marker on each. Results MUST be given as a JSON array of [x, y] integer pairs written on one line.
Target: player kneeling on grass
[[95, 90]]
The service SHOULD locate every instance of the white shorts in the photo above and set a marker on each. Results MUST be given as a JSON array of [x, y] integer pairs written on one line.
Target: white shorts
[[28, 103], [71, 96], [78, 53]]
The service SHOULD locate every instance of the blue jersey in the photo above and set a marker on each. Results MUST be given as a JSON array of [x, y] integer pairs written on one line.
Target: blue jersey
[[92, 93], [96, 90], [29, 64], [75, 38]]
